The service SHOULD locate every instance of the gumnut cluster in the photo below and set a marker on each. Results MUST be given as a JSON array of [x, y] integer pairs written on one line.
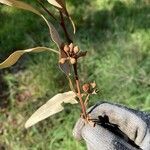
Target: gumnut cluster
[[90, 88], [70, 52]]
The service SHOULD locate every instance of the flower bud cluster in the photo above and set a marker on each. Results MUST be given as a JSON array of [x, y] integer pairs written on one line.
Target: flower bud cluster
[[71, 52]]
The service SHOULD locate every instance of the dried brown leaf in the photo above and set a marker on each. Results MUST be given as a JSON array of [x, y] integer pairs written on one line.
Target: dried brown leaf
[[51, 107], [60, 5], [57, 3], [65, 67], [73, 25], [22, 5], [13, 58], [55, 36]]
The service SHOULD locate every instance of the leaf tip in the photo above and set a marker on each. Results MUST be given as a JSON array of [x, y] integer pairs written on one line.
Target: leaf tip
[[27, 125]]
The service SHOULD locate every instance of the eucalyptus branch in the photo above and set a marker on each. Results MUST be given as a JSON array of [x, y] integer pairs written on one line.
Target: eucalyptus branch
[[62, 23], [75, 68], [79, 91], [68, 55]]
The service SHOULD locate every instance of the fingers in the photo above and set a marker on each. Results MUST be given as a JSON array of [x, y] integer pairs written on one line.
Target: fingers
[[98, 138], [129, 123], [78, 129]]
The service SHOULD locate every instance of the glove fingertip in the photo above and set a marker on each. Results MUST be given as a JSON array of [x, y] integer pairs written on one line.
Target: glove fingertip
[[78, 128]]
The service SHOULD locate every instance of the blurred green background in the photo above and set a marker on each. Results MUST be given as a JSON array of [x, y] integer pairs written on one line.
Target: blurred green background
[[116, 34]]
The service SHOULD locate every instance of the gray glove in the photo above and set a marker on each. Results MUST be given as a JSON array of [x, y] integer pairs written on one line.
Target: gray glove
[[116, 128]]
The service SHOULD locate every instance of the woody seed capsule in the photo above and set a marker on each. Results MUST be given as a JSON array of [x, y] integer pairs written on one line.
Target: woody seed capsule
[[62, 60], [76, 49], [86, 87], [93, 84], [66, 48], [72, 60], [71, 47]]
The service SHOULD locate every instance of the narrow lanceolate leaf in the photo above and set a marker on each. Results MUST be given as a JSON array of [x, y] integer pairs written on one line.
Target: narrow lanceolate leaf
[[73, 25], [54, 34], [56, 3], [13, 58], [51, 107], [22, 5], [65, 67], [60, 5]]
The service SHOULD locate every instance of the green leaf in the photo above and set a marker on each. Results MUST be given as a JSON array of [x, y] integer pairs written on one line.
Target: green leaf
[[51, 107], [13, 58], [22, 5]]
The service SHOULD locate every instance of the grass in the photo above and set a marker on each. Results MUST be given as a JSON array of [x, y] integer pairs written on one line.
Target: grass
[[116, 36]]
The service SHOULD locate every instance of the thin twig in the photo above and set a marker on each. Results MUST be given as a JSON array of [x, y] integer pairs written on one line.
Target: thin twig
[[83, 108], [86, 100], [62, 23], [71, 84], [79, 91]]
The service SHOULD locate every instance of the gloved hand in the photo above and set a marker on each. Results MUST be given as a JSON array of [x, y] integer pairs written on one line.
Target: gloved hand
[[116, 128]]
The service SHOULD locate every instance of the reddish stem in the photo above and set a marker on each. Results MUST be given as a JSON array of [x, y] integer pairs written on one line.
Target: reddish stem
[[64, 27], [75, 68], [79, 91]]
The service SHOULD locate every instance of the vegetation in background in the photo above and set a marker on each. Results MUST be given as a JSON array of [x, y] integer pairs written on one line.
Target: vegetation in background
[[116, 36]]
